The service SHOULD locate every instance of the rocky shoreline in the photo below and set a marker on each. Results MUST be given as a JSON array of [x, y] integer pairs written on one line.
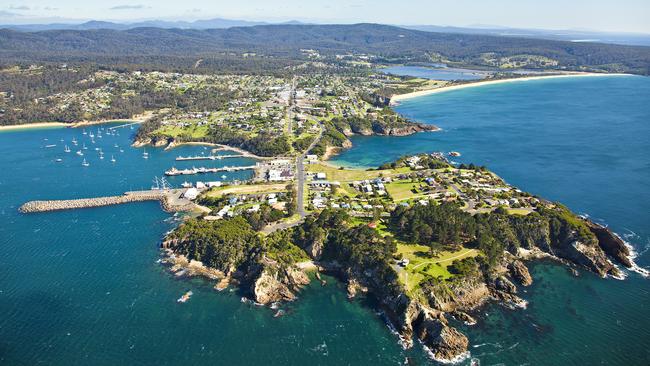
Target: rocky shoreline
[[268, 282]]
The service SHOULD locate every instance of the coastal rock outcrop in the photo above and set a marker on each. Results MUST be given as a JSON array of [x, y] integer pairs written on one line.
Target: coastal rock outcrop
[[277, 283], [610, 243], [445, 342], [519, 271]]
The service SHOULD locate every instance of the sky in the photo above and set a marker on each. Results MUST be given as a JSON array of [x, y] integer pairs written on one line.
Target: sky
[[597, 15]]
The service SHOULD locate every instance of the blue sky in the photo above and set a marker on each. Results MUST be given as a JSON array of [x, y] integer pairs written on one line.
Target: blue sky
[[603, 15]]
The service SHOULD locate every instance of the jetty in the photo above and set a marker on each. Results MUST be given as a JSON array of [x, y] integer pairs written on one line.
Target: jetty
[[203, 170], [171, 200], [210, 157]]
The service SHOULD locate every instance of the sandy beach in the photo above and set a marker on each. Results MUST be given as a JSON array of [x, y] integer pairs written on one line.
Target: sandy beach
[[27, 126], [136, 119], [395, 99]]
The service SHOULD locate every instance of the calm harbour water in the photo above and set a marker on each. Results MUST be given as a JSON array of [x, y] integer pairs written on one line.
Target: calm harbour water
[[83, 287]]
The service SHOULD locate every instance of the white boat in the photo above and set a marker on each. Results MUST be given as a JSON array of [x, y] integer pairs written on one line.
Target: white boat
[[113, 159], [50, 146], [91, 135], [85, 163], [145, 154], [115, 146], [66, 149], [84, 146], [84, 132], [223, 176], [121, 150], [186, 185], [80, 153], [74, 141], [59, 160], [101, 157]]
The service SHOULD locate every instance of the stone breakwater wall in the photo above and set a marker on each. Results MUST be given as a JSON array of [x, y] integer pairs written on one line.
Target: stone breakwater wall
[[169, 200]]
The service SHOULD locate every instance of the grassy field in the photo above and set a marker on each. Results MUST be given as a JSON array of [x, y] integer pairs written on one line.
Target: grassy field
[[422, 264], [247, 189], [401, 190], [519, 211], [347, 175]]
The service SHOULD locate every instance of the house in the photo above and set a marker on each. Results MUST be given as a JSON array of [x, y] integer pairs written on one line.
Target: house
[[213, 184], [311, 158], [191, 194], [321, 176]]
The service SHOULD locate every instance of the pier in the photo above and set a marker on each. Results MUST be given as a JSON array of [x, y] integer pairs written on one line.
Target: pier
[[170, 200], [203, 170], [210, 157]]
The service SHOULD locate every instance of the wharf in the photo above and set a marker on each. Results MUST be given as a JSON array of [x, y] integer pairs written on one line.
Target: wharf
[[211, 157], [203, 170]]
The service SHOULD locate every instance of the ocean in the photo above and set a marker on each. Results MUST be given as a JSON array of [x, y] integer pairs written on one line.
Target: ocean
[[84, 287]]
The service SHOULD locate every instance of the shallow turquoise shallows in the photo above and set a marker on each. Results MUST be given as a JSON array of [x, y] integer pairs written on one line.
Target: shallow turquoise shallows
[[83, 287]]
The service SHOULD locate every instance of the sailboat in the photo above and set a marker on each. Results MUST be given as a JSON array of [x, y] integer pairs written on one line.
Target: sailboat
[[113, 159], [84, 146], [84, 132], [80, 153], [74, 141], [66, 149], [145, 154], [85, 163]]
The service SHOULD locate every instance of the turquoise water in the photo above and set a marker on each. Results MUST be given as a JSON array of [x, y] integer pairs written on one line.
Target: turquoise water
[[581, 141], [435, 73], [84, 288]]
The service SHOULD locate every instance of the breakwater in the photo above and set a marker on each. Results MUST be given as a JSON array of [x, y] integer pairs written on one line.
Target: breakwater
[[170, 201]]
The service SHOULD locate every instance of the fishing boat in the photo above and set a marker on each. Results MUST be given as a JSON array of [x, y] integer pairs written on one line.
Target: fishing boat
[[66, 149], [185, 297], [85, 163]]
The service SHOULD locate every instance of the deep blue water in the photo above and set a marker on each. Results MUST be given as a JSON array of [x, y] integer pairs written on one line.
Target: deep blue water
[[83, 287], [584, 142], [435, 73]]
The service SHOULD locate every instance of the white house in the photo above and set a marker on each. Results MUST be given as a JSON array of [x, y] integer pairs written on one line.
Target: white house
[[191, 193]]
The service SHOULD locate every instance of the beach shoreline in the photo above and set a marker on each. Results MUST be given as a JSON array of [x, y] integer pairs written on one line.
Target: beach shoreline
[[395, 99], [39, 125]]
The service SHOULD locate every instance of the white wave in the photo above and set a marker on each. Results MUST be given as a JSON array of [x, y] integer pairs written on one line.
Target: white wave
[[458, 359]]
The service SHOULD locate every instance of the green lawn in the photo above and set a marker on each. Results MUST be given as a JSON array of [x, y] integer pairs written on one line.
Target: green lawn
[[347, 175], [422, 264], [400, 191]]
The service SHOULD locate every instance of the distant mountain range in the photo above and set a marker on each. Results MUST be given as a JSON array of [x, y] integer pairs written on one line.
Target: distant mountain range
[[390, 43], [221, 23], [216, 23]]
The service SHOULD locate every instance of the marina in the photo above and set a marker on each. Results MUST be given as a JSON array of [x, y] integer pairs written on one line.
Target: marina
[[203, 170]]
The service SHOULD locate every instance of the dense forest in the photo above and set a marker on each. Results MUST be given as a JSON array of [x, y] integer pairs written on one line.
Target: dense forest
[[174, 46]]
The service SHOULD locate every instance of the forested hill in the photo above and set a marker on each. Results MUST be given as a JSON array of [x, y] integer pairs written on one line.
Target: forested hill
[[287, 41]]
